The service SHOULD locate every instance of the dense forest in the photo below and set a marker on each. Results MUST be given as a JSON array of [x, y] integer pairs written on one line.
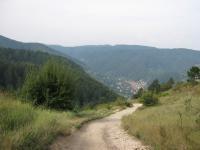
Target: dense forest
[[17, 65]]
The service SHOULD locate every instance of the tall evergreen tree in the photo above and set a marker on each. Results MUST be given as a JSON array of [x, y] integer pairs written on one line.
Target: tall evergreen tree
[[193, 73], [154, 86]]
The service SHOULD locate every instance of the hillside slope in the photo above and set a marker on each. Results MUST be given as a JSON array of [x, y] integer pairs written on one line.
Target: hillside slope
[[24, 126], [174, 123], [14, 65], [126, 68], [134, 62]]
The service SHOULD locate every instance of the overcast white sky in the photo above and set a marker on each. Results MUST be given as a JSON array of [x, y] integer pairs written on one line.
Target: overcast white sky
[[160, 23]]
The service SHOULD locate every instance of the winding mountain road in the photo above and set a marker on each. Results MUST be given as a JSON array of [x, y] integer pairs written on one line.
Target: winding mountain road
[[102, 134]]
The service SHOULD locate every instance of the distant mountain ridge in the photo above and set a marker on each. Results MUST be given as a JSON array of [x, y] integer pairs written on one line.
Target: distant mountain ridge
[[13, 44], [118, 65], [10, 43], [134, 62]]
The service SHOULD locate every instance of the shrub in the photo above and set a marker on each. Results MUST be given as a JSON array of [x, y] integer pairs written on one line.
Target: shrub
[[149, 99], [193, 74], [123, 102], [139, 93], [154, 86], [51, 86], [128, 104], [167, 86]]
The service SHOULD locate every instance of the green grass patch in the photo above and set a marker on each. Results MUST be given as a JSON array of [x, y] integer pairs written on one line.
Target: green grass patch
[[23, 126], [174, 124]]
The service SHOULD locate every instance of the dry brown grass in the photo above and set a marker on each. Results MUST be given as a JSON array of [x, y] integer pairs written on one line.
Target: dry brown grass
[[171, 125]]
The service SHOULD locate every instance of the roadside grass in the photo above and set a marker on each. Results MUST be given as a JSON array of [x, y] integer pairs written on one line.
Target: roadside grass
[[23, 126], [174, 124]]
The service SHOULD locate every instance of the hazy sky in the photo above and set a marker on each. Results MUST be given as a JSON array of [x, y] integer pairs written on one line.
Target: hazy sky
[[160, 23]]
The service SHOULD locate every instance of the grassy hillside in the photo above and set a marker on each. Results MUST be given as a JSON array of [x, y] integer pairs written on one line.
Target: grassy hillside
[[23, 126], [173, 124]]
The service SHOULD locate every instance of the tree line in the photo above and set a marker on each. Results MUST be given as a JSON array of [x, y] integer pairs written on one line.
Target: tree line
[[150, 95]]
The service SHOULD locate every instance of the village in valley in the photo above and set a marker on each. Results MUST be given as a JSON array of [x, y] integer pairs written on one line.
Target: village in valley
[[121, 85]]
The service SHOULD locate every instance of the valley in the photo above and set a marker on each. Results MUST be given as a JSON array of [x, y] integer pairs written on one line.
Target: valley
[[99, 75], [49, 97], [125, 64]]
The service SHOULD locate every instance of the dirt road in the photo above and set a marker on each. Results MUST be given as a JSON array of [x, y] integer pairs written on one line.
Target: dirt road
[[102, 134]]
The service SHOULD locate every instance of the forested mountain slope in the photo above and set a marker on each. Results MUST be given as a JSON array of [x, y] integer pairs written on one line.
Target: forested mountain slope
[[10, 43], [134, 62], [14, 65]]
